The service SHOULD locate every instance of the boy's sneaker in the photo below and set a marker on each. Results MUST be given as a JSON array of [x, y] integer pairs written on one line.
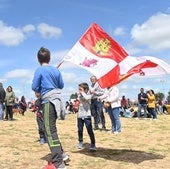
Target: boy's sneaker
[[93, 148], [65, 157], [42, 141], [62, 166], [80, 145]]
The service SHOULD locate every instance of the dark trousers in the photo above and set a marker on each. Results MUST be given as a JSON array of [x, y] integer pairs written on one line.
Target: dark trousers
[[9, 113], [97, 112], [50, 117], [80, 125], [41, 128]]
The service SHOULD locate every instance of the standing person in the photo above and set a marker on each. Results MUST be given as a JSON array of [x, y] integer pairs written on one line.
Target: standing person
[[124, 106], [39, 118], [96, 104], [84, 116], [2, 98], [111, 99], [124, 103], [152, 104], [23, 105], [142, 103], [9, 102], [129, 104], [48, 82]]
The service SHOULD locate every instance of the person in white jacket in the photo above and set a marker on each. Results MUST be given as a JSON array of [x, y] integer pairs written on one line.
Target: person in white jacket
[[111, 96]]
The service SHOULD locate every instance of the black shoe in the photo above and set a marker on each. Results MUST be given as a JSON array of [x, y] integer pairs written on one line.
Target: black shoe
[[96, 128], [103, 128]]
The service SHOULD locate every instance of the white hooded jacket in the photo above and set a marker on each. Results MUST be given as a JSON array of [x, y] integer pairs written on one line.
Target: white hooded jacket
[[112, 95]]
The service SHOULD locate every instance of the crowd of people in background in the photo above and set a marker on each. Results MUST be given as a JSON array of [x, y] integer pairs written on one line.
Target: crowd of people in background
[[9, 102], [146, 106]]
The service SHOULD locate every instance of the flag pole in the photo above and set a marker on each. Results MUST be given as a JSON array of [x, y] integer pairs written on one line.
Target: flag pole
[[60, 64]]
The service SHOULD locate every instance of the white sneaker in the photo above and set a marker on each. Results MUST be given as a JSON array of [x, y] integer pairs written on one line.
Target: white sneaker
[[65, 157], [93, 148], [80, 145]]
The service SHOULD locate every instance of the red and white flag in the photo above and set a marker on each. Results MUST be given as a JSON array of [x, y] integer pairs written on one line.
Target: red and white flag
[[98, 53]]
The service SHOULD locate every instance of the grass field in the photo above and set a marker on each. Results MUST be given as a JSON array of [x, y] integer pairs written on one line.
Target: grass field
[[143, 144]]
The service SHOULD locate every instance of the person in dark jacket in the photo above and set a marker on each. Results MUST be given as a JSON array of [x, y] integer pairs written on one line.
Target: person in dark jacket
[[2, 98], [142, 103], [23, 105], [9, 102]]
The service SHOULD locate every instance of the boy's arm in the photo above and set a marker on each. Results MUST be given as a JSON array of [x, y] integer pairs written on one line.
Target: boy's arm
[[61, 82], [36, 82], [86, 96]]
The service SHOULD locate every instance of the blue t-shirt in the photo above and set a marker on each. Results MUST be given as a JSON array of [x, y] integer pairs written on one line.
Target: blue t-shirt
[[47, 78]]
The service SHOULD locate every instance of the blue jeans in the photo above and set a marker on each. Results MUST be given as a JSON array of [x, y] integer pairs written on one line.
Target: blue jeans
[[97, 112], [80, 125], [115, 119], [1, 111], [153, 112], [140, 106]]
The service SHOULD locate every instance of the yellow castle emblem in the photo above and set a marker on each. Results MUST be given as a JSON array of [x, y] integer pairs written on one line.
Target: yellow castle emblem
[[102, 46]]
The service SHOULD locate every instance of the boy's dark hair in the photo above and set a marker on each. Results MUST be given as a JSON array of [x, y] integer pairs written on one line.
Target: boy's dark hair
[[43, 55], [85, 86]]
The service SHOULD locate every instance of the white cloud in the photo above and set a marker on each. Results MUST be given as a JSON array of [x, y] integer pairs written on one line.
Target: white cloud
[[48, 31], [2, 80], [18, 73], [10, 35], [132, 50], [67, 91], [119, 31], [124, 86], [154, 33], [75, 77], [135, 86], [68, 77], [56, 57], [28, 28]]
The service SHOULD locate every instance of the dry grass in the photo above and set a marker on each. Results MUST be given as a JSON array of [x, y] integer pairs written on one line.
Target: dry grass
[[143, 144]]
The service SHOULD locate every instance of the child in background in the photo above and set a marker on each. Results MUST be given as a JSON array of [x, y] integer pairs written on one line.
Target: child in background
[[39, 118], [84, 116]]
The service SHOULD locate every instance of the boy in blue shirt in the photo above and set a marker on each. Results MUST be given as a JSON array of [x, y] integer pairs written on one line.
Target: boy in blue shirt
[[48, 82]]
